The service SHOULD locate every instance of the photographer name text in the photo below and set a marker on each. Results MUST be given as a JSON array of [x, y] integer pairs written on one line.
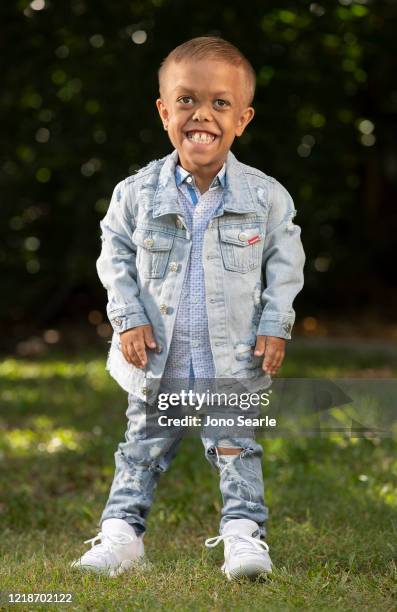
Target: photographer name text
[[211, 421]]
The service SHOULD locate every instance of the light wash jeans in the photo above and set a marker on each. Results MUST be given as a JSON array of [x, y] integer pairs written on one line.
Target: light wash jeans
[[140, 461]]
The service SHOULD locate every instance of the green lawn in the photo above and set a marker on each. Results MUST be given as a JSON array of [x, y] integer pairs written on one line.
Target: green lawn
[[332, 500]]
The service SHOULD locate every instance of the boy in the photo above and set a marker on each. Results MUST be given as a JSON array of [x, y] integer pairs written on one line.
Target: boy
[[187, 242]]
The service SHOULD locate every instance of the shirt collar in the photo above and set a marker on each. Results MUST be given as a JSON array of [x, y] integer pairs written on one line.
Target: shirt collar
[[181, 174]]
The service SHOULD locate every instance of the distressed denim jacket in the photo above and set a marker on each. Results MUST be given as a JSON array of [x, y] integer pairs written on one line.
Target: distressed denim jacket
[[253, 263]]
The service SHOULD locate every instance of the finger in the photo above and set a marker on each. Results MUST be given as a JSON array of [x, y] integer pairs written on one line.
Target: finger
[[132, 356], [260, 345], [270, 357], [139, 347], [125, 353], [129, 354], [276, 361], [148, 337], [280, 359]]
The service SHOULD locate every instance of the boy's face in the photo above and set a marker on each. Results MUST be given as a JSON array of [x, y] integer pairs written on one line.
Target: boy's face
[[203, 108]]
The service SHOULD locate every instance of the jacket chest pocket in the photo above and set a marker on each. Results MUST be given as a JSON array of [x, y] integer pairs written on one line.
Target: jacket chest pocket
[[241, 246], [154, 248]]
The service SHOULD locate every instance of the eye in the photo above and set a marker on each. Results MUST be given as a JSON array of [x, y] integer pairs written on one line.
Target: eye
[[222, 103], [185, 99]]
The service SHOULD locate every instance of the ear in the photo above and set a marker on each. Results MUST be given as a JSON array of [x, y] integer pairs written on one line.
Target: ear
[[245, 117], [163, 112]]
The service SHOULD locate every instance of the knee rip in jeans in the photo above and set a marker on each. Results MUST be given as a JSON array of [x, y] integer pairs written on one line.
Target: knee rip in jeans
[[230, 451], [154, 465]]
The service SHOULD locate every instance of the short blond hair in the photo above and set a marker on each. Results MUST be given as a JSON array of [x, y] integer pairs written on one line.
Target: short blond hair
[[213, 47]]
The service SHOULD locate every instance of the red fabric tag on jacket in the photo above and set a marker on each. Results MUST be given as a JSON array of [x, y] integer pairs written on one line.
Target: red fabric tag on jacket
[[253, 239]]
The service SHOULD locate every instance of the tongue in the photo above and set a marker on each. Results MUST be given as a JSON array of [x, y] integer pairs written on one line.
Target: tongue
[[241, 527]]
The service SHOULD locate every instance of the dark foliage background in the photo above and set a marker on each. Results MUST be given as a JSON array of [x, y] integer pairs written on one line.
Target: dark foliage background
[[78, 85]]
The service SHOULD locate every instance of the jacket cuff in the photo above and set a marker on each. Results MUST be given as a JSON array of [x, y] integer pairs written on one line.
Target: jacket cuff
[[279, 328], [121, 323]]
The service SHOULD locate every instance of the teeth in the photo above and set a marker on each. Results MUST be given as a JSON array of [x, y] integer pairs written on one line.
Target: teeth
[[201, 137]]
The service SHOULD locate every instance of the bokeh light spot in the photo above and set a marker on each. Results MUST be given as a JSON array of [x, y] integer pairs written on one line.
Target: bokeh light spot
[[310, 324], [139, 37], [32, 243], [95, 317], [43, 175], [51, 336]]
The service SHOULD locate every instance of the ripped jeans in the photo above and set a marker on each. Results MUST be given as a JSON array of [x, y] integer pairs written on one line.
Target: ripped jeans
[[140, 461]]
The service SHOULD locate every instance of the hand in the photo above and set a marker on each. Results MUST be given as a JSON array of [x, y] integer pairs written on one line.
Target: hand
[[273, 349], [134, 342]]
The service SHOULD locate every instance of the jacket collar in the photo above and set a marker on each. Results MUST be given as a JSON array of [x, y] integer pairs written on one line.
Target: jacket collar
[[237, 195], [181, 175]]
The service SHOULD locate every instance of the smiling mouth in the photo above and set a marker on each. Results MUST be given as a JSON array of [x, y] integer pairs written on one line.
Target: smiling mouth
[[200, 137]]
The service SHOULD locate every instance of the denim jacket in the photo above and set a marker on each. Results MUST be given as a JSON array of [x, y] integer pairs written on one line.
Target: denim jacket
[[253, 263]]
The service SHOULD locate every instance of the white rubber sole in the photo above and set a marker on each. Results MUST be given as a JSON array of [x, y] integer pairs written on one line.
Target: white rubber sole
[[249, 570], [108, 571]]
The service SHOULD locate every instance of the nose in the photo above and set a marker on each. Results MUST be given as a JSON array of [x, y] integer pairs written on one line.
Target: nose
[[202, 113]]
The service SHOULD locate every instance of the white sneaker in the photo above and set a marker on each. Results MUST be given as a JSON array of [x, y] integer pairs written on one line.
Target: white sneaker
[[245, 553], [119, 549]]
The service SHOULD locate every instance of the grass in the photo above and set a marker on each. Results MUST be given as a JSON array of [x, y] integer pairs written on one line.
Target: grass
[[332, 500]]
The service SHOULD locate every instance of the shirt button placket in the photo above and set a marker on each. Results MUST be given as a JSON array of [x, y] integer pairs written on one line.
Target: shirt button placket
[[191, 330]]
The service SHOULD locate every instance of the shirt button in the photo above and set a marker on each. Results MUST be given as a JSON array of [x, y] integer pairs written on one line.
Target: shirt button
[[163, 308], [189, 179], [174, 266], [195, 343], [148, 242], [243, 236], [117, 322], [195, 299]]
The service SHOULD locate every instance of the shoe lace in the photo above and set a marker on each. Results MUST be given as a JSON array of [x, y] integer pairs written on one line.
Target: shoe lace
[[244, 542], [107, 542]]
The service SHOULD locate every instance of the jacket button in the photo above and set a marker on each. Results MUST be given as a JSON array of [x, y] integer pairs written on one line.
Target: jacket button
[[243, 236], [148, 242], [144, 390], [117, 321], [163, 308], [174, 266]]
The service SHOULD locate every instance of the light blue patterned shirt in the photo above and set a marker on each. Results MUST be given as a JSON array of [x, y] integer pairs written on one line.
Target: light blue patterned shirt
[[190, 350]]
